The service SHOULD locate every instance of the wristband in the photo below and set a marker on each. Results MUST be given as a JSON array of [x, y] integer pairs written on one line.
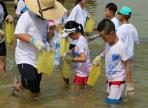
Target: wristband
[[32, 41]]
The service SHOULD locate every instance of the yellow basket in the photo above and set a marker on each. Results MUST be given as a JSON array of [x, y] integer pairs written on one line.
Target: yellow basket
[[66, 70], [45, 62], [94, 74], [89, 25], [9, 29], [64, 45]]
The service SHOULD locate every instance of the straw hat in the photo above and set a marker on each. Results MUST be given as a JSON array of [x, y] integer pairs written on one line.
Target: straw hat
[[47, 9]]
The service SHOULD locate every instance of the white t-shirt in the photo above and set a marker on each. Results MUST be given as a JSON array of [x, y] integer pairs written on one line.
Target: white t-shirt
[[113, 62], [35, 27], [83, 68], [78, 14], [128, 34], [20, 6], [116, 23]]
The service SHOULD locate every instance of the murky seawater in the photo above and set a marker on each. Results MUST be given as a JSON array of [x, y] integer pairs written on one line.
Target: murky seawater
[[53, 92]]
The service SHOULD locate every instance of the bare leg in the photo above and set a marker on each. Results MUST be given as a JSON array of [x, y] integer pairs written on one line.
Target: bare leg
[[2, 65]]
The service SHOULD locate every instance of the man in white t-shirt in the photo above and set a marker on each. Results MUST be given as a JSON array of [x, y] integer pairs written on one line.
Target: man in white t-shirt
[[21, 7], [31, 33], [117, 70]]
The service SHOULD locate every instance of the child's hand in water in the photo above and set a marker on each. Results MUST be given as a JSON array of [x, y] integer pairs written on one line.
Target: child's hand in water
[[129, 89]]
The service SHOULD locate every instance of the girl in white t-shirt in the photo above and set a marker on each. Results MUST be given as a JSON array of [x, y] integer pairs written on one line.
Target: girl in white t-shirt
[[81, 52]]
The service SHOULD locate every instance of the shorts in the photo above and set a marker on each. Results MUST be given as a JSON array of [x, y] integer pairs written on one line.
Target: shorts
[[80, 80], [30, 78], [115, 92], [3, 49]]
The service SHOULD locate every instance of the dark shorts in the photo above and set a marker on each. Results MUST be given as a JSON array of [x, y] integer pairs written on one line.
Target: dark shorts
[[30, 78], [3, 49]]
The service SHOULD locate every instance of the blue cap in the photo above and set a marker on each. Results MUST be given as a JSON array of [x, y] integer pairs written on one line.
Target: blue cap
[[125, 11]]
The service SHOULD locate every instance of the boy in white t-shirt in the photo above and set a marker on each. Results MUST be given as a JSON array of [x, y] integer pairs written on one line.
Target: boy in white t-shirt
[[127, 32], [110, 11], [116, 59], [81, 52]]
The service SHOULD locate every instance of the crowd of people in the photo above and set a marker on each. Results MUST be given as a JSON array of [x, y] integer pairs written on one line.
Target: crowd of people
[[38, 24]]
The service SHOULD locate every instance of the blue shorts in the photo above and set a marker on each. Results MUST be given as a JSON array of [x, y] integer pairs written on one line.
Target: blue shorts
[[115, 92]]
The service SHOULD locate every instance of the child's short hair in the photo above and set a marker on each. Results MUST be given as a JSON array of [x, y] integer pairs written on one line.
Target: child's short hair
[[106, 25], [112, 7]]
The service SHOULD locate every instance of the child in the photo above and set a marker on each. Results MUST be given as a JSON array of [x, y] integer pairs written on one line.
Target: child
[[78, 14], [81, 52], [110, 10], [128, 34], [116, 60]]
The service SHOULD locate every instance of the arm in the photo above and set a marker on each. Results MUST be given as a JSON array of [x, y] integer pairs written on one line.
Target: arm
[[81, 58], [24, 37], [128, 72]]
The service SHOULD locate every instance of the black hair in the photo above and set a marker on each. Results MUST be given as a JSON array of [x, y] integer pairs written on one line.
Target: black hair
[[77, 1], [73, 24], [112, 7], [106, 25]]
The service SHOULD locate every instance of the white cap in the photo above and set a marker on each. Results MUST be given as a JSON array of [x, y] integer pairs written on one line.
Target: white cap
[[68, 31]]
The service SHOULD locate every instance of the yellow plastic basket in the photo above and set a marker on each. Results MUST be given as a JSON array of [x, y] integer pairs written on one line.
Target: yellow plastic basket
[[94, 74], [9, 29], [89, 25], [64, 45], [66, 70], [45, 62]]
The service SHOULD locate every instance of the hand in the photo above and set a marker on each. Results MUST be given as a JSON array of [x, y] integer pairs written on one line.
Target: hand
[[38, 44], [129, 89], [69, 52], [2, 33], [9, 18], [68, 58], [97, 60]]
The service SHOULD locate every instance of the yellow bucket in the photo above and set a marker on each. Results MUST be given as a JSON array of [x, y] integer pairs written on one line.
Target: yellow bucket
[[65, 70], [9, 29], [64, 45], [94, 74], [89, 25], [45, 62]]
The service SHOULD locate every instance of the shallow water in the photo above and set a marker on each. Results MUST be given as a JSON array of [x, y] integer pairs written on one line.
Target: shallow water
[[53, 92]]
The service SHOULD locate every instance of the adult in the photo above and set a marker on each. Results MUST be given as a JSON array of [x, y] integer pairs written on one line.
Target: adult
[[31, 33]]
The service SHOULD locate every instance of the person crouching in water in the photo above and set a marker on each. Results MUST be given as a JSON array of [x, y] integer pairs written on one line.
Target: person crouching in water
[[80, 51]]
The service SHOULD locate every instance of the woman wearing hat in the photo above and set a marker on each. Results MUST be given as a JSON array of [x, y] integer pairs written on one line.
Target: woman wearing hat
[[81, 52], [3, 15], [31, 33], [128, 34]]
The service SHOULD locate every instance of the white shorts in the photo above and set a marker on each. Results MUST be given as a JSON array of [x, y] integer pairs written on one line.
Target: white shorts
[[115, 92]]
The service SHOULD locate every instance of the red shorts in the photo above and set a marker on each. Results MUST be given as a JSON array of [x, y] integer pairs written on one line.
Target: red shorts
[[80, 80]]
